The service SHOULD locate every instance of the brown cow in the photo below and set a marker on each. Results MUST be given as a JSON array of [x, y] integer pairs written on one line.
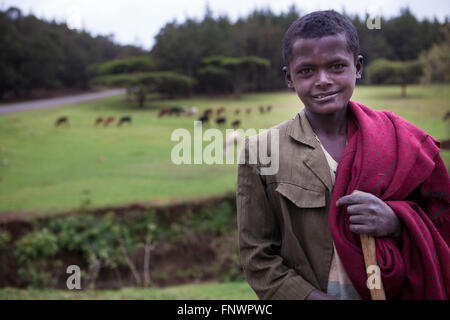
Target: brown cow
[[164, 111], [98, 121], [446, 116], [62, 120], [108, 121], [220, 110]]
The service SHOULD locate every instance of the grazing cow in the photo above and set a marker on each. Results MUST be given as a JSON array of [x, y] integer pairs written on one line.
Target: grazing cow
[[237, 111], [123, 120], [62, 120], [261, 109], [177, 110], [220, 110], [204, 119], [236, 123], [98, 121], [221, 120], [207, 112], [446, 116], [163, 111], [108, 121], [248, 111], [269, 108]]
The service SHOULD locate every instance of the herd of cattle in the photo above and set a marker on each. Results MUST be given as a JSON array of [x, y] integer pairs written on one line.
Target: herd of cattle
[[204, 118], [208, 114], [99, 121]]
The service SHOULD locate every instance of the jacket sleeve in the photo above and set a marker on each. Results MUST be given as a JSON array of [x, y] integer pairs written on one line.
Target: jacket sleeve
[[260, 239]]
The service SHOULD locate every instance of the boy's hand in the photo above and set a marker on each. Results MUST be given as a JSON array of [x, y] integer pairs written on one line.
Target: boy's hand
[[371, 215]]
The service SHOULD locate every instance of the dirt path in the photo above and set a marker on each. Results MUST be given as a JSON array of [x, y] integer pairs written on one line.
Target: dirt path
[[57, 102]]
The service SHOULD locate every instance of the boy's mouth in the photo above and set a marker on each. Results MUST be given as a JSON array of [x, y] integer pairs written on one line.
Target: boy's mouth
[[325, 96]]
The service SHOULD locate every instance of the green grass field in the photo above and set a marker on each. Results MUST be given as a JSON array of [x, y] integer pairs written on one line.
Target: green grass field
[[207, 291], [46, 169]]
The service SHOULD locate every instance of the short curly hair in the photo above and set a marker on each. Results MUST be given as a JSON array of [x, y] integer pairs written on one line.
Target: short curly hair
[[319, 24]]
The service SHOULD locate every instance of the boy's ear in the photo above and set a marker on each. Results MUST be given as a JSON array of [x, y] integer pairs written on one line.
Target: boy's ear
[[359, 66], [287, 78]]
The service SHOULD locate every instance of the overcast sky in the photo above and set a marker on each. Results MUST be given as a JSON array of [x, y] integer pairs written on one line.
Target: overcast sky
[[138, 21]]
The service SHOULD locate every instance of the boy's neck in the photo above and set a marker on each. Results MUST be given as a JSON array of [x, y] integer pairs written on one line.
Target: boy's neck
[[334, 124]]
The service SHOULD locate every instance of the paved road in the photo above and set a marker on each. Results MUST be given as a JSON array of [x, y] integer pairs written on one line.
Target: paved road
[[57, 102]]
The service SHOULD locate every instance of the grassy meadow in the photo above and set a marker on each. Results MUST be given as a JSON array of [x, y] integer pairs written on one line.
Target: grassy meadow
[[44, 169], [204, 291]]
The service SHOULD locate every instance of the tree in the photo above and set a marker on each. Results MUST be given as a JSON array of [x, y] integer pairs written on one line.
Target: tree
[[130, 65], [238, 69], [214, 77], [142, 83], [38, 54], [382, 71], [436, 61]]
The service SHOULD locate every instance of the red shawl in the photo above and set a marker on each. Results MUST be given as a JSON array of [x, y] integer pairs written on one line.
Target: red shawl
[[400, 164]]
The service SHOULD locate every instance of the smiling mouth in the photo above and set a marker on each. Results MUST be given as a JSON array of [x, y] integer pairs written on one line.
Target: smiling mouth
[[325, 96]]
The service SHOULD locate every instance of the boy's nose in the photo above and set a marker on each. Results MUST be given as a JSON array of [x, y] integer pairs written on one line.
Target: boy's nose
[[323, 79]]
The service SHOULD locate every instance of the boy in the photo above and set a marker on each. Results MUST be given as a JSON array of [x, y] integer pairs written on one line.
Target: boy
[[344, 170]]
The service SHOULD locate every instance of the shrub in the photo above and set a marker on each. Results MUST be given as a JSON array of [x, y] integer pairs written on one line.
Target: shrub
[[33, 253]]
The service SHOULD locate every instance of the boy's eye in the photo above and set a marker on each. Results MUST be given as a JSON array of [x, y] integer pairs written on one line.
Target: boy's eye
[[337, 66], [305, 71]]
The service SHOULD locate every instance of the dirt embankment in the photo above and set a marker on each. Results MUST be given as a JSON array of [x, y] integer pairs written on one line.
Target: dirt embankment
[[200, 257]]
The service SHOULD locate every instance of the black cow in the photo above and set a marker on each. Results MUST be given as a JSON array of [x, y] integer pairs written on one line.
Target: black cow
[[177, 110], [221, 120], [261, 109], [204, 118], [123, 120]]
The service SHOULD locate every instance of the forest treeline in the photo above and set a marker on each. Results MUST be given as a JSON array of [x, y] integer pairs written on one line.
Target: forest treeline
[[42, 54], [37, 54]]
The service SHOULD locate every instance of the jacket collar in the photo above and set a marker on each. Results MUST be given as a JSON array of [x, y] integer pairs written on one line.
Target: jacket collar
[[301, 131]]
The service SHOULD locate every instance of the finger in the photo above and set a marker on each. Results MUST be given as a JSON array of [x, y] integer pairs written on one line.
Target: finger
[[358, 219], [354, 198], [361, 229], [357, 209]]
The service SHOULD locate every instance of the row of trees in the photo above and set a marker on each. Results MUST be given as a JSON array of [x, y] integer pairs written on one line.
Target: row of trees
[[183, 46], [39, 54], [210, 55], [140, 78], [432, 65]]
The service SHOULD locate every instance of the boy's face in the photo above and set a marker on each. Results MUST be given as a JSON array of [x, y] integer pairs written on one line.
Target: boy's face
[[323, 72]]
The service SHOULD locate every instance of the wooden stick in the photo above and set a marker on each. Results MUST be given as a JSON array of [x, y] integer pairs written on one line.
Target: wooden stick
[[370, 259]]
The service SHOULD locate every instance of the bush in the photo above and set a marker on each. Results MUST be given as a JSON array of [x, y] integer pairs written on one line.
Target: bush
[[5, 238], [221, 220], [111, 241], [33, 251]]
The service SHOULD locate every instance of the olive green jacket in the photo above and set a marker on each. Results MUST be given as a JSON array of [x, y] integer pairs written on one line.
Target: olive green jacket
[[285, 242]]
